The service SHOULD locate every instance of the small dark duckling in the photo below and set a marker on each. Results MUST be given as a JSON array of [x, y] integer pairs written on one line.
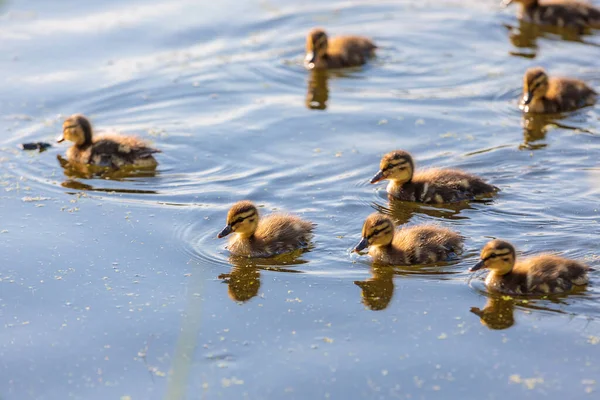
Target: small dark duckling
[[424, 244], [337, 52], [542, 94], [272, 235], [558, 13], [543, 274], [432, 186], [112, 151]]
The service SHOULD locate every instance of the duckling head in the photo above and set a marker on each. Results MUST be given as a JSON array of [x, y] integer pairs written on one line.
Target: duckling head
[[498, 256], [378, 230], [242, 219], [316, 47], [395, 166], [535, 85], [76, 129]]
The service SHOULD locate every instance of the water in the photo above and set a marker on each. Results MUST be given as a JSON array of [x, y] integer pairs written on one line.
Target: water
[[119, 288]]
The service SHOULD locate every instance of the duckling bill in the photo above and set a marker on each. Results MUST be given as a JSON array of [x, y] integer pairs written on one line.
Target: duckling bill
[[264, 237], [337, 52], [433, 186], [569, 14], [113, 151], [542, 94], [423, 244], [542, 274]]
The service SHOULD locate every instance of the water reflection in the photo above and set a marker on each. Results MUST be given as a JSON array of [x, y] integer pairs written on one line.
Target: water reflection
[[498, 312], [535, 127], [86, 171], [377, 291], [318, 90], [525, 36], [243, 281], [403, 211]]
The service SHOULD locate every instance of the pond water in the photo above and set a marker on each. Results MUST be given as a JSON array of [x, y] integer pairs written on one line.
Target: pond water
[[119, 289]]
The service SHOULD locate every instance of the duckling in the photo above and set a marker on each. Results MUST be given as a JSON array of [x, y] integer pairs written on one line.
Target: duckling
[[541, 274], [559, 13], [542, 94], [337, 52], [433, 186], [112, 151], [424, 244], [266, 237]]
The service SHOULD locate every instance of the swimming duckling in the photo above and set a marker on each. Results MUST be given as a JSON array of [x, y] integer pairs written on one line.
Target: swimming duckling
[[541, 274], [559, 13], [112, 151], [432, 186], [337, 52], [424, 244], [552, 95], [269, 236]]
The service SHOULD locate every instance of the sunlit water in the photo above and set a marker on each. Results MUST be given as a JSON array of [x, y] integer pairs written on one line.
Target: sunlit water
[[116, 288]]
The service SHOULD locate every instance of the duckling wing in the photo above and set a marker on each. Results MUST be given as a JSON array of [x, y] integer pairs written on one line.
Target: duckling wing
[[427, 243], [452, 185], [351, 50], [125, 149], [570, 93], [281, 233], [552, 274]]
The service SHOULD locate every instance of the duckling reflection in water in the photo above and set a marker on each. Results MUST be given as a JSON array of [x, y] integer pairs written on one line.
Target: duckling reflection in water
[[542, 94], [318, 91], [575, 15], [112, 151], [377, 291], [498, 313], [337, 52], [543, 274], [243, 283], [272, 235], [433, 186], [424, 244]]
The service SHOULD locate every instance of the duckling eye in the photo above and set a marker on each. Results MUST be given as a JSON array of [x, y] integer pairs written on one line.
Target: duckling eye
[[493, 256], [237, 221]]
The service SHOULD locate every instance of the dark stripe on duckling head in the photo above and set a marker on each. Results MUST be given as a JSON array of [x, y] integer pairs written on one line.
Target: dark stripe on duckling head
[[497, 248], [395, 159], [376, 223], [86, 127], [240, 211]]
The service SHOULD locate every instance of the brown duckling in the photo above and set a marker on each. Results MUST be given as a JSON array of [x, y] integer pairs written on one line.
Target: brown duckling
[[542, 94], [541, 274], [112, 151], [424, 244], [432, 186], [272, 235], [558, 13], [337, 52]]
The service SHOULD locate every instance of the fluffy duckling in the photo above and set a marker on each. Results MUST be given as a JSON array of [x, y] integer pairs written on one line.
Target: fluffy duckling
[[337, 52], [112, 151], [541, 274], [542, 94], [272, 235], [558, 13], [432, 186], [424, 244]]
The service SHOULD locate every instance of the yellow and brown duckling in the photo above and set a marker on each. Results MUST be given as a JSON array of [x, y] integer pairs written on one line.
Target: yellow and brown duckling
[[542, 274], [114, 151], [432, 186], [424, 244], [272, 235], [337, 52], [542, 94], [568, 14]]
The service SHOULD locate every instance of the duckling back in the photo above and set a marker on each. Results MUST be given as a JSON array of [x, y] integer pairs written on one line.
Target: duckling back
[[275, 234], [543, 274], [423, 244], [115, 151], [569, 94], [349, 51], [442, 186], [562, 14]]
